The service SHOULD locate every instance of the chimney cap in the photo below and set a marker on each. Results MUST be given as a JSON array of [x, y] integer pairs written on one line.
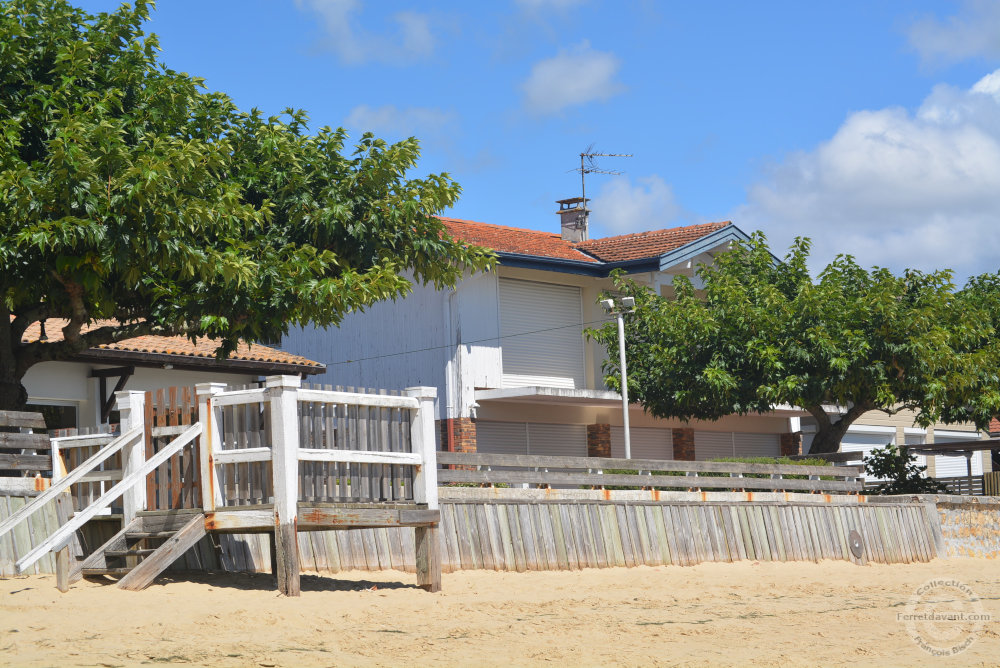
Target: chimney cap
[[572, 203]]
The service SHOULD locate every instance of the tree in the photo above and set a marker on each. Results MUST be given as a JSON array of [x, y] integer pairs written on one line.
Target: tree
[[133, 201], [764, 333]]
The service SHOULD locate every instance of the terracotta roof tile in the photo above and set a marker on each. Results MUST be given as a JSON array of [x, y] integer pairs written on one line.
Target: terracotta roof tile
[[646, 244], [175, 345], [514, 240], [596, 251]]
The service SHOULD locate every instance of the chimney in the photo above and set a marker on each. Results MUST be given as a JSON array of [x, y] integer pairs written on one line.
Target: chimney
[[573, 214]]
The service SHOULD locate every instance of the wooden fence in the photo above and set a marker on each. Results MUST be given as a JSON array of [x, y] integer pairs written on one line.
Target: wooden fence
[[599, 472]]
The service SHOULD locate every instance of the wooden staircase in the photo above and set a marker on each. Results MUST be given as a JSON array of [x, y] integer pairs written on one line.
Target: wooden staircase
[[144, 548]]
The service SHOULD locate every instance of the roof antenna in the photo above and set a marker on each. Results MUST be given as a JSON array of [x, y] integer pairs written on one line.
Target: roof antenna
[[588, 166]]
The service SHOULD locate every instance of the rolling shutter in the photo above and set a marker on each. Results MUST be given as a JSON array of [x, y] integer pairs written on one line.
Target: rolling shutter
[[712, 444], [951, 467], [519, 438], [501, 438], [646, 442], [541, 334], [863, 445]]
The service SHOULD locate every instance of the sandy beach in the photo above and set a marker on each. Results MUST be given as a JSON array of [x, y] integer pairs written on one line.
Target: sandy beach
[[766, 614]]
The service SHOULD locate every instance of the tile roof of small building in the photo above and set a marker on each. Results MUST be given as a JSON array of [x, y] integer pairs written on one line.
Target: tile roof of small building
[[202, 348], [623, 248]]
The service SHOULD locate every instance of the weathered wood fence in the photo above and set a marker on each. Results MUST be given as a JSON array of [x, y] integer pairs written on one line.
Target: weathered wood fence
[[599, 472]]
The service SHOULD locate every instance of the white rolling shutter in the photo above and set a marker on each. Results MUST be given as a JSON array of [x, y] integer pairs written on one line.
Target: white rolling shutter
[[863, 443], [757, 445], [557, 440], [541, 334], [501, 438], [950, 467], [519, 438], [913, 439], [646, 443], [713, 444]]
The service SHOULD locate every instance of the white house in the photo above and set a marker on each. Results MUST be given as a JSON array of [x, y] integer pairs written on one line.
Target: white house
[[507, 353], [79, 392]]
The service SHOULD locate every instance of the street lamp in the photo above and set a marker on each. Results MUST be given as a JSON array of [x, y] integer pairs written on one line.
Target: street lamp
[[618, 308]]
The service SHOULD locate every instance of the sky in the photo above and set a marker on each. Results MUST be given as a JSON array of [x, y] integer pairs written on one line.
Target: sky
[[870, 126]]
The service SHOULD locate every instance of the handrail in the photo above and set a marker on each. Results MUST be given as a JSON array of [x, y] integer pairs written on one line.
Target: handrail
[[75, 476], [63, 533]]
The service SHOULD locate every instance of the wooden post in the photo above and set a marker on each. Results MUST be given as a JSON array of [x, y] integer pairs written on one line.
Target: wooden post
[[64, 510], [282, 391], [428, 555], [131, 405], [211, 442]]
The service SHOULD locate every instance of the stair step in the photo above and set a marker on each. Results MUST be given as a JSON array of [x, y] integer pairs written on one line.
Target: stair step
[[138, 535], [128, 553], [105, 571]]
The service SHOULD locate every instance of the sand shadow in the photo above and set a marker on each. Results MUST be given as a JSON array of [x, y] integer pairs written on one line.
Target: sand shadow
[[267, 582]]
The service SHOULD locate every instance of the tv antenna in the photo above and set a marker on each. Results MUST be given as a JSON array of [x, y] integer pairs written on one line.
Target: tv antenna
[[588, 166]]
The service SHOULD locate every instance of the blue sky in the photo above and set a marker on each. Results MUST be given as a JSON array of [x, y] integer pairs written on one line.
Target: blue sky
[[872, 127]]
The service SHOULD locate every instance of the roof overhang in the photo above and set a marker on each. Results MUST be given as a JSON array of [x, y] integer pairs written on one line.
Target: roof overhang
[[601, 269], [571, 397], [189, 363]]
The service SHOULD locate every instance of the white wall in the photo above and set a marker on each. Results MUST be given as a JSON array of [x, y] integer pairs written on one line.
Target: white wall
[[70, 382]]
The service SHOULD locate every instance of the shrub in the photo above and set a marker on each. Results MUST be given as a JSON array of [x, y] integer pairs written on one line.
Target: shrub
[[904, 475]]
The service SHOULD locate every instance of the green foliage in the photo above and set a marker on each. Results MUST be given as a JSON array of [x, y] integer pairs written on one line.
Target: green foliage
[[763, 333], [901, 469], [130, 192]]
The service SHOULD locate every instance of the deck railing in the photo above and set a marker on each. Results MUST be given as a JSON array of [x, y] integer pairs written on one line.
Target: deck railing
[[599, 472]]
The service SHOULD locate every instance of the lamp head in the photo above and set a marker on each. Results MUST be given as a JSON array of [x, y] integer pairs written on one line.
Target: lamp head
[[628, 302], [608, 304]]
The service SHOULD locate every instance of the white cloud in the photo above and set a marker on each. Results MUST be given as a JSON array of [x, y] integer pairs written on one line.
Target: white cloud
[[406, 121], [572, 77], [973, 32], [413, 38], [895, 188], [622, 206]]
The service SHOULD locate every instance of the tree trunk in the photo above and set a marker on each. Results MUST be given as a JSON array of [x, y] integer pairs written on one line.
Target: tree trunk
[[828, 433], [13, 396]]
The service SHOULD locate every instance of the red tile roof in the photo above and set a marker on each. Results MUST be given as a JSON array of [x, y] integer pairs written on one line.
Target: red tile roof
[[180, 346], [995, 427], [514, 240], [646, 244], [520, 241]]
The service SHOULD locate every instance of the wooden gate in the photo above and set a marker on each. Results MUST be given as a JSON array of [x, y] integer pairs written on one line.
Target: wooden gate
[[176, 483]]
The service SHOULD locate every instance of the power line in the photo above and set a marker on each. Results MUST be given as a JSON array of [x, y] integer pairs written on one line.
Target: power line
[[492, 338]]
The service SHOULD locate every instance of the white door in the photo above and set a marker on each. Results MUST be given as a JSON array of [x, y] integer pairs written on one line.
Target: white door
[[541, 334], [646, 443]]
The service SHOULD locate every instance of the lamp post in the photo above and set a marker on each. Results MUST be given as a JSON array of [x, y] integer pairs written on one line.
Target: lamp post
[[618, 308]]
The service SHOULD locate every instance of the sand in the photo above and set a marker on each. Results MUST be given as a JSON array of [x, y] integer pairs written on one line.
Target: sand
[[766, 614]]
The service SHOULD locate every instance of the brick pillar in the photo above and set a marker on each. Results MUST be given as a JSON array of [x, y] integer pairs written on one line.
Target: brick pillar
[[599, 440], [791, 444], [458, 435], [684, 444]]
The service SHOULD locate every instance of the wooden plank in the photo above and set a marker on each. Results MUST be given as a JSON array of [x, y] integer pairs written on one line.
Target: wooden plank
[[142, 575], [349, 398], [558, 540], [428, 559], [22, 419], [628, 551], [20, 441], [26, 462], [601, 547]]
